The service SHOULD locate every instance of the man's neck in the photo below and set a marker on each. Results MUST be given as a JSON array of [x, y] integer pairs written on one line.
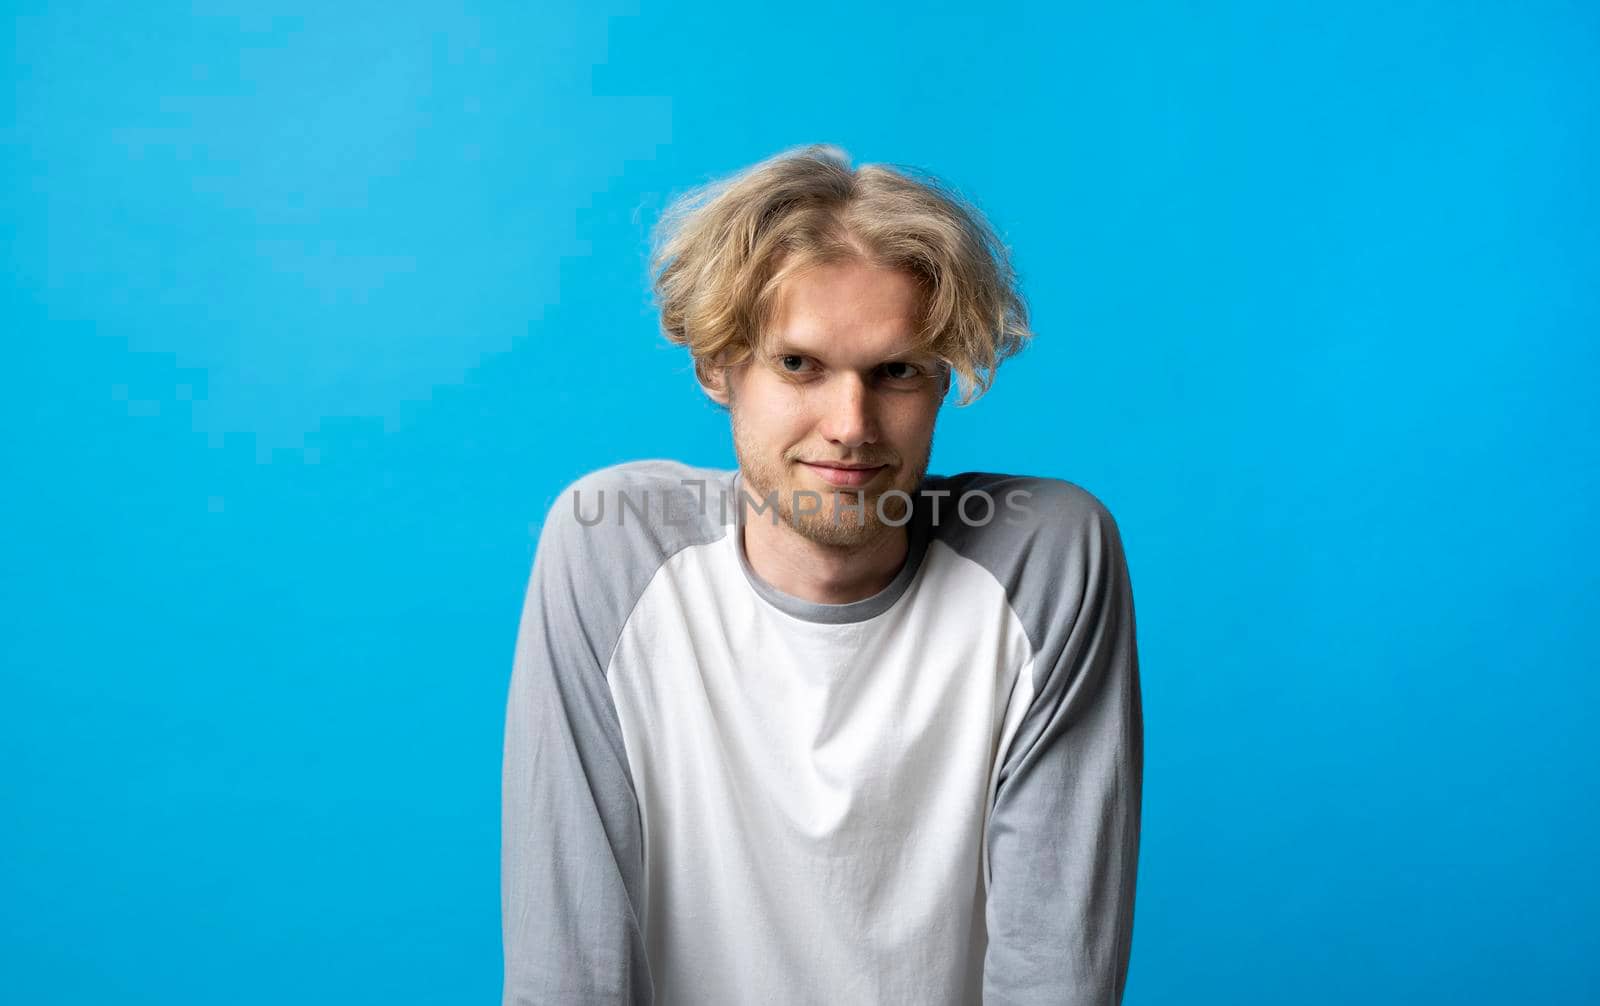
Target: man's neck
[[825, 574]]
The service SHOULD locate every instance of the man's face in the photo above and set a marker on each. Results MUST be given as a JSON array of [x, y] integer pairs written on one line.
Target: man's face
[[837, 382]]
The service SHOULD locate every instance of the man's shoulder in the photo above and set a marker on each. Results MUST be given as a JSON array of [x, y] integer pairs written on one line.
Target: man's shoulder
[[636, 512], [604, 539], [1048, 542], [981, 505]]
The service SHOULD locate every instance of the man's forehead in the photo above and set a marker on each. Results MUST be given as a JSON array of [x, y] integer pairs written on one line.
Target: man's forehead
[[844, 306]]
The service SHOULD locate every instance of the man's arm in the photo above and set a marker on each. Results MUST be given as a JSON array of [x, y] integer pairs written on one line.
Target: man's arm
[[1063, 835], [572, 853]]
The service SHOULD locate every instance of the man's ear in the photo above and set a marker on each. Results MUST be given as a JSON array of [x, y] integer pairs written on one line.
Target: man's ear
[[713, 380]]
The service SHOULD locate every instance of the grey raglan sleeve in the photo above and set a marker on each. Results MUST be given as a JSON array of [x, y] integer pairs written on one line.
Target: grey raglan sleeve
[[572, 857], [1063, 836]]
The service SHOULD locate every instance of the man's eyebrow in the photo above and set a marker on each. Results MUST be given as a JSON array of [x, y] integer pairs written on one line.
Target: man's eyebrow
[[782, 347]]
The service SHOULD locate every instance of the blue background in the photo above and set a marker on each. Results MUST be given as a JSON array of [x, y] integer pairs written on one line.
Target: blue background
[[310, 315]]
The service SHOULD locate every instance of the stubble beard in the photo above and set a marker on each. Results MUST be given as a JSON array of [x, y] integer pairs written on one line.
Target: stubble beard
[[848, 518]]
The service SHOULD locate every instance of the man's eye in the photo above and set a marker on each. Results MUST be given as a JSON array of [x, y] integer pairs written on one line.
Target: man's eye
[[899, 370], [792, 364]]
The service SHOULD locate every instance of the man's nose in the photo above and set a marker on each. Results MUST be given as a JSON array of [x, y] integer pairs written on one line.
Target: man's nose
[[848, 413]]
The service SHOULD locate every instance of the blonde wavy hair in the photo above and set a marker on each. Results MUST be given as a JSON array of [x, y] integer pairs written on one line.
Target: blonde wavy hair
[[721, 252]]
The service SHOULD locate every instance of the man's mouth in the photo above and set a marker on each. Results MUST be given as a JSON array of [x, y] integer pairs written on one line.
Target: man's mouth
[[845, 475]]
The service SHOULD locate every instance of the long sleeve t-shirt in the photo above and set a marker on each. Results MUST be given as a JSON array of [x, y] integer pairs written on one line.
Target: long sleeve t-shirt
[[715, 792]]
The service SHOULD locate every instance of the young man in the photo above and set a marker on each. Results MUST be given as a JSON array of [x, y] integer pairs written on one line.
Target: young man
[[825, 728]]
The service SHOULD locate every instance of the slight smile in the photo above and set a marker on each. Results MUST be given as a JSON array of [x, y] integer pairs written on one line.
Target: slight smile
[[845, 475]]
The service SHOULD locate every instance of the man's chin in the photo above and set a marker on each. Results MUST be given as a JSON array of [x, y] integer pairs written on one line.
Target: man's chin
[[841, 532]]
